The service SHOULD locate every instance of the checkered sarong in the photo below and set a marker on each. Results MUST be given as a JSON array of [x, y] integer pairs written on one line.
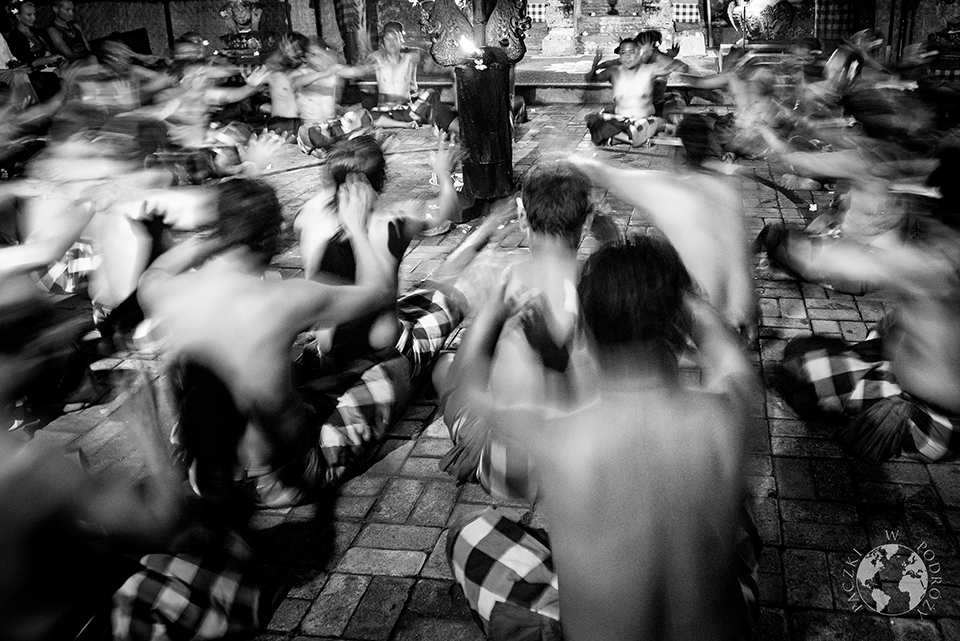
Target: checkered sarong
[[71, 272], [370, 393], [189, 597], [498, 561], [826, 376]]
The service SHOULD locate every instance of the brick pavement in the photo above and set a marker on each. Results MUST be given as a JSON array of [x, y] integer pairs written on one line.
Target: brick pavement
[[369, 563]]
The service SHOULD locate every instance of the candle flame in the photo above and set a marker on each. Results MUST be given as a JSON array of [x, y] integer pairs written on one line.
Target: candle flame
[[468, 47]]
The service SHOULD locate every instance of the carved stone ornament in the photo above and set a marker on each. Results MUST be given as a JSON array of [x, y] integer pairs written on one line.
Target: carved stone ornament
[[451, 32]]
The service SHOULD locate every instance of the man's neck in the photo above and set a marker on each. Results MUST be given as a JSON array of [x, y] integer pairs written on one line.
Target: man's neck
[[60, 22], [639, 365], [547, 245]]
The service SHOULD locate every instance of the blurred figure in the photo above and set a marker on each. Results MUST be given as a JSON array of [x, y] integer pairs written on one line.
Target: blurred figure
[[895, 392], [554, 210], [869, 206], [64, 34], [327, 256], [284, 111], [752, 87], [649, 470], [232, 334], [701, 216], [64, 535], [317, 84]]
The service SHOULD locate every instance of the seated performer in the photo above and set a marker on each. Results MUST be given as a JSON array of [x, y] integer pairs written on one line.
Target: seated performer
[[284, 112], [232, 332], [316, 85], [640, 479], [327, 256], [752, 89], [400, 103], [634, 119], [896, 392], [554, 209]]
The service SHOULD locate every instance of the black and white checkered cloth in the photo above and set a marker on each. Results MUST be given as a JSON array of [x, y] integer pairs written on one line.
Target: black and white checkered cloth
[[196, 597], [836, 19], [537, 11], [823, 376], [496, 560], [686, 12], [367, 396]]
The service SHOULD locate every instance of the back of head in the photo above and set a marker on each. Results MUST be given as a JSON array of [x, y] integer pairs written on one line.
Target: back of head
[[634, 292], [694, 133], [360, 155], [556, 200], [248, 213], [649, 37], [292, 49]]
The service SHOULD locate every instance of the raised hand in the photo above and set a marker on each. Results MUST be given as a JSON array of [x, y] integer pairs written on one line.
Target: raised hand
[[256, 76], [355, 199], [260, 152], [447, 157]]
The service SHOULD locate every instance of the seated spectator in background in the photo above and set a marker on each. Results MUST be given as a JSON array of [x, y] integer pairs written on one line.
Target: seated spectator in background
[[65, 36], [30, 48], [640, 479], [634, 117], [15, 77], [895, 394]]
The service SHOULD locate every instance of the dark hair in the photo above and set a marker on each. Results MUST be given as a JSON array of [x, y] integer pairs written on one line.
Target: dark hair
[[944, 177], [649, 37], [694, 133], [360, 155], [557, 201], [248, 213], [635, 291], [299, 44], [393, 25]]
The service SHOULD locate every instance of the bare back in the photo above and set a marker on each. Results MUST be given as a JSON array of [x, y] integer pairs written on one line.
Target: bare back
[[642, 492]]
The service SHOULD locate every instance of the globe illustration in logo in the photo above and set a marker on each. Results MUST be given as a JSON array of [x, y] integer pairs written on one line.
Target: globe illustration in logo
[[892, 579]]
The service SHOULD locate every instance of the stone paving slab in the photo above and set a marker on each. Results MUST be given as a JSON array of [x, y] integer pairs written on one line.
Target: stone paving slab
[[370, 564]]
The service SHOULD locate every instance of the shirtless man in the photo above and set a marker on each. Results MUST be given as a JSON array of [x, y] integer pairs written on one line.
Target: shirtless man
[[325, 258], [634, 119], [648, 469], [896, 391], [233, 333], [317, 85], [284, 111], [65, 36], [400, 103], [553, 211]]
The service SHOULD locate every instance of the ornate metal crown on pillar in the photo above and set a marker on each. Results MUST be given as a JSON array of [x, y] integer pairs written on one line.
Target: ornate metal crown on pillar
[[482, 44]]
